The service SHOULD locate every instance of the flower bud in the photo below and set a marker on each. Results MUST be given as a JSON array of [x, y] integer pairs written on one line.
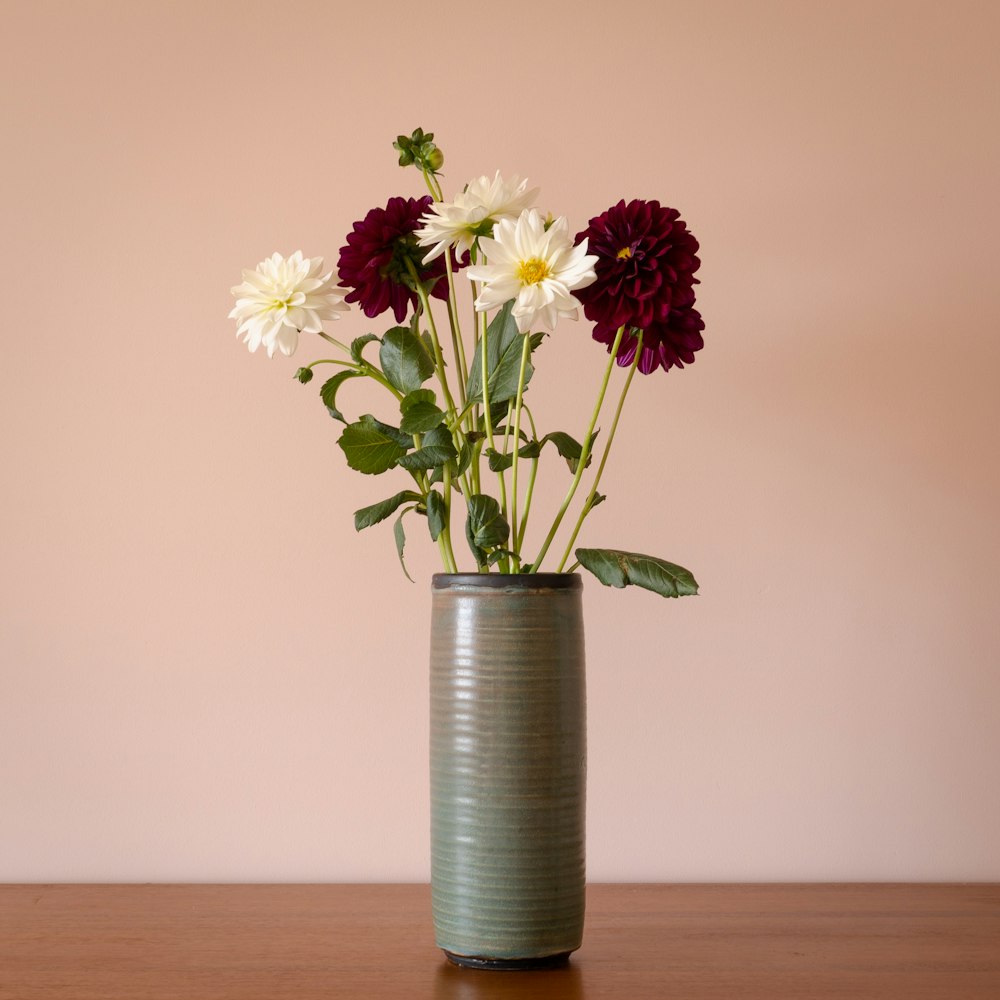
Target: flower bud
[[434, 159], [304, 375]]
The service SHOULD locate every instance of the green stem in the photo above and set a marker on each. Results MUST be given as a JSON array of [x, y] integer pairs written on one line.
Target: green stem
[[335, 342], [525, 351], [456, 330], [531, 485], [369, 369], [484, 373], [446, 530], [438, 356], [473, 257], [585, 454], [607, 450], [333, 361]]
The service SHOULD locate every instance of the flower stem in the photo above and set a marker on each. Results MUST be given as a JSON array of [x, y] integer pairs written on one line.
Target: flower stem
[[335, 342], [584, 455], [484, 341], [438, 356], [525, 351], [456, 330], [604, 457], [450, 563], [519, 540]]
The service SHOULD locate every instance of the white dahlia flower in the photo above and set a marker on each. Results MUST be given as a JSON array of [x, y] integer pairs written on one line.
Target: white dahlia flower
[[474, 212], [539, 267], [283, 298]]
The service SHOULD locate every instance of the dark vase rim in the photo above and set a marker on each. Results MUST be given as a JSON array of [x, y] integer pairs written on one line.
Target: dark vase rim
[[508, 581]]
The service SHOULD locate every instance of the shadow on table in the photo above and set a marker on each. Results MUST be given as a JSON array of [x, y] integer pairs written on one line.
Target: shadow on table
[[454, 983]]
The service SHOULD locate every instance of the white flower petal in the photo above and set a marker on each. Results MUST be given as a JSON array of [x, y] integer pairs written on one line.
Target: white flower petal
[[283, 296]]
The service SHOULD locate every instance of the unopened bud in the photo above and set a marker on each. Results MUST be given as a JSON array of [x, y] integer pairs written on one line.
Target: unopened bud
[[434, 159]]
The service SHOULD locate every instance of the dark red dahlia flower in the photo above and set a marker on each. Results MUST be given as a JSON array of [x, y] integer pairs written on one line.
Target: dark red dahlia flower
[[664, 345], [374, 262], [646, 260]]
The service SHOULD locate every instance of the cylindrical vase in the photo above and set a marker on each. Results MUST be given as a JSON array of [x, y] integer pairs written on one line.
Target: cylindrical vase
[[508, 768]]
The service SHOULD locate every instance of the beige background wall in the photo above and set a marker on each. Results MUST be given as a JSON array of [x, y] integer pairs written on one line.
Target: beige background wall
[[205, 673]]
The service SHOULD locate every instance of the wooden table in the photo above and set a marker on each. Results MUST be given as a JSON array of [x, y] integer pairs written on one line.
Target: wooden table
[[368, 942]]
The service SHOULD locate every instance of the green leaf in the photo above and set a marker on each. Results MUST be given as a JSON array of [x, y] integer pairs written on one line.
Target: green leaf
[[503, 360], [304, 375], [401, 438], [368, 516], [358, 345], [420, 415], [436, 513], [463, 461], [404, 359], [477, 552], [569, 448], [486, 525], [369, 446], [497, 554], [599, 498], [528, 449], [400, 535], [428, 456], [417, 396], [615, 568], [328, 392], [498, 461], [428, 341]]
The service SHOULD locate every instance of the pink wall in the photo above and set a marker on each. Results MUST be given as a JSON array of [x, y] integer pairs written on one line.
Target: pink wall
[[205, 673]]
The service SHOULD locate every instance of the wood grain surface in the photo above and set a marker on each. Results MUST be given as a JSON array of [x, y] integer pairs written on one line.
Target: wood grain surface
[[723, 942]]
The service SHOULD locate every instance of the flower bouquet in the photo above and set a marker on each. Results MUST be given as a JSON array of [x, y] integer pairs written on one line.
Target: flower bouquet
[[508, 745], [470, 445]]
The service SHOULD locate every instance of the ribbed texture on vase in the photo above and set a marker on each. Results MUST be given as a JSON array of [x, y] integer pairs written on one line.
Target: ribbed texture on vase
[[508, 769]]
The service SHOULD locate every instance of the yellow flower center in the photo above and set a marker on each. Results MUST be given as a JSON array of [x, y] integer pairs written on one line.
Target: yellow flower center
[[624, 253], [532, 271]]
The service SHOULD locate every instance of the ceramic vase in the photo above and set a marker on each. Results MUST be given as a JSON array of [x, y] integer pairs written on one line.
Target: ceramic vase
[[508, 768]]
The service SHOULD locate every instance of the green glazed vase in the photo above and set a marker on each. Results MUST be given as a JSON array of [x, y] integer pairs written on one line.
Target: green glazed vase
[[508, 768]]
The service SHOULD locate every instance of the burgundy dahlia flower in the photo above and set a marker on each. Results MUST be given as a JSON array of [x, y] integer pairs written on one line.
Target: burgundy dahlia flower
[[664, 345], [374, 262], [646, 260]]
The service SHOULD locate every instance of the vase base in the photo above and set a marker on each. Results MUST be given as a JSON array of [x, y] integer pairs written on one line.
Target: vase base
[[510, 964]]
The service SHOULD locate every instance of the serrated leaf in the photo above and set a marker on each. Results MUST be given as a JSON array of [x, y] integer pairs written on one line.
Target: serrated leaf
[[428, 457], [328, 392], [417, 396], [420, 417], [404, 359], [503, 360], [368, 447], [400, 535], [615, 568], [368, 516], [486, 524], [437, 513], [358, 345]]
